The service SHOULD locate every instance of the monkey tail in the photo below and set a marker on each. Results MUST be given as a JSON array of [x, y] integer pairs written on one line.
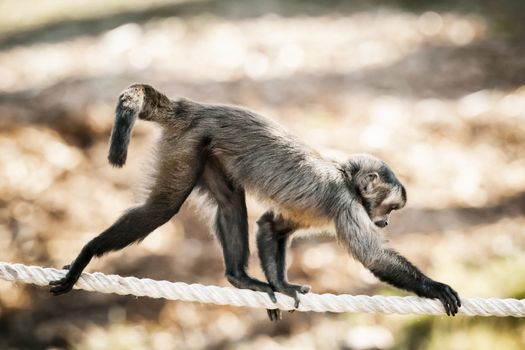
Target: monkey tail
[[138, 100]]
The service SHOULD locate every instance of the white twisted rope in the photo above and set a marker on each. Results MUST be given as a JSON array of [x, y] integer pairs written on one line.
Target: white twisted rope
[[243, 297]]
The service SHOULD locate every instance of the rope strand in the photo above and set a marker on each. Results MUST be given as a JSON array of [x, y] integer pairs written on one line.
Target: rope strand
[[100, 282]]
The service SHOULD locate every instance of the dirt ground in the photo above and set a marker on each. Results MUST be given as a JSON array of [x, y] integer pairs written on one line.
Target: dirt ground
[[437, 91]]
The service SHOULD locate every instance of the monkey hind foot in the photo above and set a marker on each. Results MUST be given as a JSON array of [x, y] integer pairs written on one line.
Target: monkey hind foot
[[247, 282], [292, 290], [66, 283], [274, 314], [63, 285]]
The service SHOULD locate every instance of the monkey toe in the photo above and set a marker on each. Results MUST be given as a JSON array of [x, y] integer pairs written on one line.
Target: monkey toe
[[66, 267], [274, 314], [303, 289], [271, 294]]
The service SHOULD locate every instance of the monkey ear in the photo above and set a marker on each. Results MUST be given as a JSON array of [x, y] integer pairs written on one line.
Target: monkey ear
[[370, 181]]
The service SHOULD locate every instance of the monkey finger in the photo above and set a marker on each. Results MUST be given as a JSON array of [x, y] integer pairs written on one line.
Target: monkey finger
[[454, 306], [451, 305], [447, 309], [453, 300], [445, 304], [456, 297]]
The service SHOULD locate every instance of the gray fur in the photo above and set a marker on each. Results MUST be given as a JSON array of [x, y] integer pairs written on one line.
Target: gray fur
[[224, 151]]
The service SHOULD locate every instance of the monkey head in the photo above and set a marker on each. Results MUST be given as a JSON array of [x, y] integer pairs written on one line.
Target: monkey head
[[378, 187]]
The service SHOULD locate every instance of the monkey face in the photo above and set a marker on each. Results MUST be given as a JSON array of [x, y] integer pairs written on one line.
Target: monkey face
[[381, 195], [380, 211]]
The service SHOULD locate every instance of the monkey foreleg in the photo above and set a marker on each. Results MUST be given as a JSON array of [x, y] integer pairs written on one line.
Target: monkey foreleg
[[272, 238], [394, 269], [356, 232]]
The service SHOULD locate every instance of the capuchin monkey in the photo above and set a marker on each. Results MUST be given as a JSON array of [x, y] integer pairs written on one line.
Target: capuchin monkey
[[223, 151]]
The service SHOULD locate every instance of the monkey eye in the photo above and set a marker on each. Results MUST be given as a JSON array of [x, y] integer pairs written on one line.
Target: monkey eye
[[393, 207]]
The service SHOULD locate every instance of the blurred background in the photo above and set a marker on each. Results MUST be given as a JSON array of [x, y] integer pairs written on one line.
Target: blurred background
[[437, 89]]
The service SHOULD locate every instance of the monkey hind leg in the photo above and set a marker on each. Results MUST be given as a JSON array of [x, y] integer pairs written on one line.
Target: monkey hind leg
[[272, 238], [231, 226], [165, 199], [131, 227]]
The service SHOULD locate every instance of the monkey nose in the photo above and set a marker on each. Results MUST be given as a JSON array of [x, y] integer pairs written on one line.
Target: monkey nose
[[381, 223]]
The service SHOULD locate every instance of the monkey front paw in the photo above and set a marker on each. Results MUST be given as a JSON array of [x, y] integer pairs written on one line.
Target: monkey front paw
[[448, 297], [292, 290]]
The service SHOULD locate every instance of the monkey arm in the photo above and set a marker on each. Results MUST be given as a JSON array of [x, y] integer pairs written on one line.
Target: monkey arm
[[357, 233], [393, 268]]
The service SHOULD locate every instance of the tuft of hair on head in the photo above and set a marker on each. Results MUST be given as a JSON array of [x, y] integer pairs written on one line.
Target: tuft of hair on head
[[361, 163], [129, 106]]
